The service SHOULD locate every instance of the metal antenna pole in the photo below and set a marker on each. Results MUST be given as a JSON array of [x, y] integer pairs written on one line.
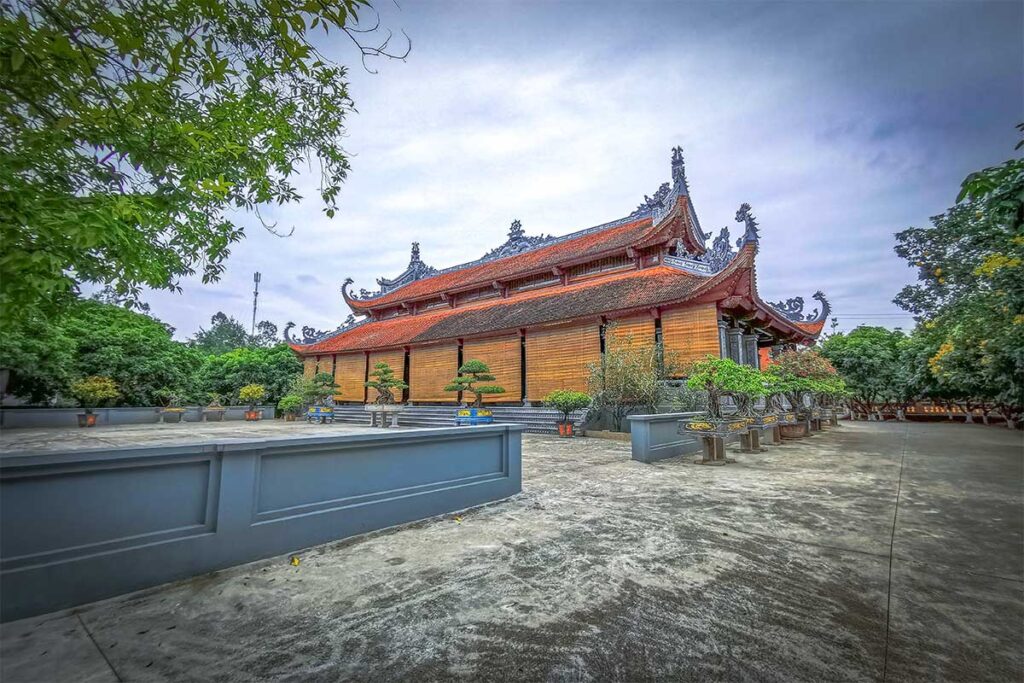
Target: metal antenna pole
[[255, 296]]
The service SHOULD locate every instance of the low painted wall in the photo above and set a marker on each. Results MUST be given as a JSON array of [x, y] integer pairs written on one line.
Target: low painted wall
[[79, 526], [656, 437], [21, 418]]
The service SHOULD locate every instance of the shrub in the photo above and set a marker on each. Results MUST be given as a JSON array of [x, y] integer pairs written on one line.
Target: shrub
[[94, 390], [314, 390], [290, 404], [252, 394], [470, 373], [567, 402], [629, 376]]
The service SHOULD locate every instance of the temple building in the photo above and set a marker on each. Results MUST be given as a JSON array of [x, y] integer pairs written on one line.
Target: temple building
[[537, 308]]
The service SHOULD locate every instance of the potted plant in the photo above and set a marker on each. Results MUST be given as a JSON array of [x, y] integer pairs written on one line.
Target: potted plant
[[214, 409], [252, 395], [799, 375], [385, 382], [290, 405], [91, 392], [317, 394], [719, 378], [172, 410], [566, 402], [470, 375]]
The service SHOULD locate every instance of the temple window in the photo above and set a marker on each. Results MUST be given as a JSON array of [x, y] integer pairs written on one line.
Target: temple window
[[604, 265]]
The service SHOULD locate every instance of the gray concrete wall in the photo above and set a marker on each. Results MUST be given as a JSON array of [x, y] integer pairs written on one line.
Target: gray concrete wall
[[656, 437], [16, 418], [80, 526]]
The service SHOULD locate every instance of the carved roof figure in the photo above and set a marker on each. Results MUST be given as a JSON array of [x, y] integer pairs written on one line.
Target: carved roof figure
[[679, 171], [518, 242], [751, 234], [793, 309]]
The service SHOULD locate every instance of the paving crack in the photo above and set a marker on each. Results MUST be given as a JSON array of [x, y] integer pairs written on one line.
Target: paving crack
[[892, 544], [99, 649]]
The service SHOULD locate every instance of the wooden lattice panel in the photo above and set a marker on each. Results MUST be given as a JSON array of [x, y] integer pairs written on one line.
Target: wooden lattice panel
[[558, 358], [639, 331], [690, 334], [430, 369], [309, 366], [349, 375], [502, 356], [396, 359]]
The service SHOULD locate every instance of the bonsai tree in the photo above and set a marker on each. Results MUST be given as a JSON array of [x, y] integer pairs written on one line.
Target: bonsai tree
[[252, 394], [470, 374], [384, 381], [567, 402], [722, 377], [94, 390], [799, 373], [169, 398], [290, 404], [314, 390]]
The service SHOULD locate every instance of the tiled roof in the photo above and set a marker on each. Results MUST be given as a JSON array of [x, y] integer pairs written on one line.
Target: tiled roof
[[633, 290], [813, 329], [591, 243]]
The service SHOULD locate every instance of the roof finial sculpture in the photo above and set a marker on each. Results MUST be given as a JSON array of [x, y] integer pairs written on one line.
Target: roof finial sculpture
[[679, 183], [415, 256], [746, 217], [515, 231]]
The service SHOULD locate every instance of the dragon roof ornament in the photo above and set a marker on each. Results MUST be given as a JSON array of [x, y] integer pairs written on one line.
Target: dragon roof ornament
[[312, 336], [710, 262], [664, 200], [750, 234], [518, 242], [793, 309]]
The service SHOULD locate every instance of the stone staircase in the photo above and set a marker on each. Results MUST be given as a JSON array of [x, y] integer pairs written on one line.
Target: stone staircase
[[537, 420]]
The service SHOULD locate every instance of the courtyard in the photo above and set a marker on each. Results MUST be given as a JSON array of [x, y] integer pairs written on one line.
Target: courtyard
[[874, 551]]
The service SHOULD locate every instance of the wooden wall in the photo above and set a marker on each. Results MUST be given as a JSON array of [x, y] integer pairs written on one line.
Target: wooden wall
[[309, 366], [690, 333], [640, 330], [349, 375], [430, 369], [396, 359], [557, 358], [502, 356]]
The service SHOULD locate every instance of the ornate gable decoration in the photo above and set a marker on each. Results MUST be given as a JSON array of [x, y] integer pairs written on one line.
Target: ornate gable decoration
[[518, 242], [664, 200], [720, 254], [793, 309], [416, 270]]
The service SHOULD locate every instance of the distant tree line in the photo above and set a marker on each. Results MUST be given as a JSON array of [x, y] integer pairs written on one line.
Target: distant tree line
[[101, 337]]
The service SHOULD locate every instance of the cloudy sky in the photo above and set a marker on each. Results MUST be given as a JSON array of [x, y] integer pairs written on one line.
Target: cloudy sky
[[840, 123]]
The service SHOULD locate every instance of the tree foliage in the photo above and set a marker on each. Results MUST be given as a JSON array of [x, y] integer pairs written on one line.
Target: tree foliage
[[94, 391], [385, 382], [629, 377], [723, 377], [567, 402], [969, 297], [873, 363], [133, 131], [275, 368], [471, 373]]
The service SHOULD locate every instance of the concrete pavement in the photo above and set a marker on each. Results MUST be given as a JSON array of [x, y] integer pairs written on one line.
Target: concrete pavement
[[875, 551]]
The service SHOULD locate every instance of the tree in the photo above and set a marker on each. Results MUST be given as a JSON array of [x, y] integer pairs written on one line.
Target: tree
[[873, 363], [629, 377], [135, 350], [266, 334], [314, 390], [275, 368], [385, 383], [131, 131], [797, 374], [225, 334], [470, 374], [970, 289], [724, 377], [41, 359]]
